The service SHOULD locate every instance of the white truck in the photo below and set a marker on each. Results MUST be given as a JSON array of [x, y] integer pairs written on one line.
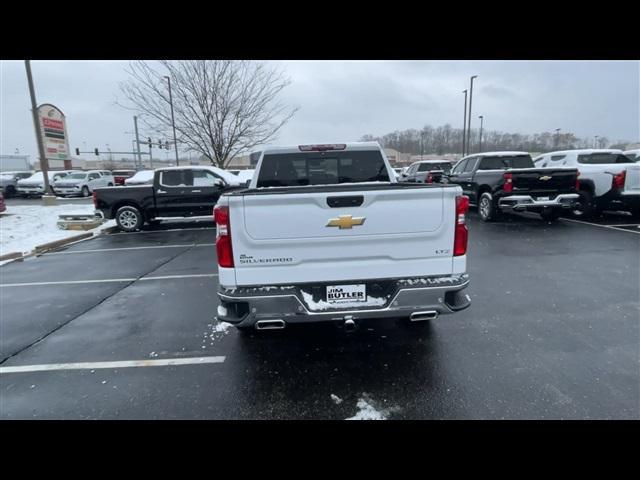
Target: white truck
[[609, 180], [326, 233]]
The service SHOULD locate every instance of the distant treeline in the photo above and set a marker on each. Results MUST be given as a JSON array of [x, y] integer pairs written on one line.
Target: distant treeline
[[445, 139]]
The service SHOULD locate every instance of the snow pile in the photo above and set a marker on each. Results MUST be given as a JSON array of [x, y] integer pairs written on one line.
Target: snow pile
[[322, 305], [24, 227], [215, 331], [367, 410]]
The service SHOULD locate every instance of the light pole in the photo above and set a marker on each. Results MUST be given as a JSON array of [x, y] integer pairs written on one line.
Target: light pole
[[481, 117], [44, 165], [421, 145], [595, 144], [557, 137], [470, 101], [173, 123], [464, 123]]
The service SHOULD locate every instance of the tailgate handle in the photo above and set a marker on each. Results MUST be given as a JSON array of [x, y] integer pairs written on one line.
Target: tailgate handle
[[351, 201]]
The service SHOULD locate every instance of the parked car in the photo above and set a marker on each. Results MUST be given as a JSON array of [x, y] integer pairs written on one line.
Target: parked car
[[9, 181], [318, 231], [633, 155], [119, 176], [175, 192], [245, 176], [82, 183], [509, 182], [143, 177], [426, 171], [609, 180], [3, 206], [34, 185]]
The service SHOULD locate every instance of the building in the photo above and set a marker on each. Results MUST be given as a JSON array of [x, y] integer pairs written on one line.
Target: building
[[396, 158]]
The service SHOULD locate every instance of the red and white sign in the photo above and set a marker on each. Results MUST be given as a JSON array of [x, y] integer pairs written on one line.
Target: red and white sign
[[54, 132]]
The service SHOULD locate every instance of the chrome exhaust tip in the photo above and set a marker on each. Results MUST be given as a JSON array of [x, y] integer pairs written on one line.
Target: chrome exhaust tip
[[270, 324], [423, 316]]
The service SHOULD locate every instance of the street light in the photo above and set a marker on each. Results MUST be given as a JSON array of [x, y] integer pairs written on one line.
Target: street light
[[464, 123], [481, 117], [470, 101], [173, 123], [557, 137], [595, 145]]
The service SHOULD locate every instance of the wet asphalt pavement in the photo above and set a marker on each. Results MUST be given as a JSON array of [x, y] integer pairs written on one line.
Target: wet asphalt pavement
[[553, 332]]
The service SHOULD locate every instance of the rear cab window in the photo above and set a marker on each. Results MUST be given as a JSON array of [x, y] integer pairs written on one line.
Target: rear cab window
[[504, 163], [321, 168], [603, 158]]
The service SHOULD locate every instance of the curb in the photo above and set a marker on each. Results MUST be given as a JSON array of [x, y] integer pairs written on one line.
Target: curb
[[10, 256], [58, 243], [108, 230]]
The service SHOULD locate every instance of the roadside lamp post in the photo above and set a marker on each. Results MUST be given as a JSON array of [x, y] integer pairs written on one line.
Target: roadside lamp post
[[595, 144], [481, 117], [557, 137], [469, 125], [464, 123], [173, 123]]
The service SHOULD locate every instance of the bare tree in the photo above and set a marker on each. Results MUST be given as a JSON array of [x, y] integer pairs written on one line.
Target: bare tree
[[222, 108]]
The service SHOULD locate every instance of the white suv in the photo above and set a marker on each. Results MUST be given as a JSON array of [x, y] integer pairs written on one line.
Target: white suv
[[609, 180], [83, 183]]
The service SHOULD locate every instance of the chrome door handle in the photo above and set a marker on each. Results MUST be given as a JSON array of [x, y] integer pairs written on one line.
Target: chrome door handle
[[196, 191], [161, 191]]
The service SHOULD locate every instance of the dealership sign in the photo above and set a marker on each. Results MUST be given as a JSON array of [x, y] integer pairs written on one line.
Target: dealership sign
[[54, 132]]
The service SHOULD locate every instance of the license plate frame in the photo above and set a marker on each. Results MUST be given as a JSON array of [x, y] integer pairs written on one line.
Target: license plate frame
[[352, 293], [543, 199]]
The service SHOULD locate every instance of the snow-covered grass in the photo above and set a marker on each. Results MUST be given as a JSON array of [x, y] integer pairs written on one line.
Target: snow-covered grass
[[23, 227]]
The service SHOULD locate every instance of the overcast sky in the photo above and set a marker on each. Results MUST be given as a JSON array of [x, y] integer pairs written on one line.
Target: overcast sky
[[343, 100]]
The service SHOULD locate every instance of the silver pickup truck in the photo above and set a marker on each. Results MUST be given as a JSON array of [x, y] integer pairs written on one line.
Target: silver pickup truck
[[326, 233]]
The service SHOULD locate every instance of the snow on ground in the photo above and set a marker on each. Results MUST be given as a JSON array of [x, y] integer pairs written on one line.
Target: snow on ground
[[23, 227], [367, 410]]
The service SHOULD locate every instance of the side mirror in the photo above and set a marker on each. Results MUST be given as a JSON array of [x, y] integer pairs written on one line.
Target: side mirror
[[219, 183]]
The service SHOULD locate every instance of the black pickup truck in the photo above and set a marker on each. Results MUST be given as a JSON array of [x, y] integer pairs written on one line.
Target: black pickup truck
[[176, 192], [499, 182]]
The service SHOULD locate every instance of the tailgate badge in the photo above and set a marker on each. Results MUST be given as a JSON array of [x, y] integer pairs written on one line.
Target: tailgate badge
[[544, 178], [345, 221]]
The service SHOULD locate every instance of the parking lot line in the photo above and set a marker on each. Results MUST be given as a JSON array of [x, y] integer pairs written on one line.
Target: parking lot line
[[162, 231], [118, 364], [612, 227], [108, 280], [99, 250]]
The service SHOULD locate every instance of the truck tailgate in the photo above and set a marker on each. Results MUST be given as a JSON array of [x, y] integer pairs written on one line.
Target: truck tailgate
[[544, 180], [392, 232]]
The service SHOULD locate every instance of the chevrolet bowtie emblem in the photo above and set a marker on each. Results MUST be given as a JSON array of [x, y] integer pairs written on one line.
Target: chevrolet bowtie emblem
[[545, 178], [345, 221]]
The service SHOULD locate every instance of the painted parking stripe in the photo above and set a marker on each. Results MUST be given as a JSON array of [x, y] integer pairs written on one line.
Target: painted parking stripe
[[105, 365], [99, 250], [612, 227], [163, 231], [107, 280]]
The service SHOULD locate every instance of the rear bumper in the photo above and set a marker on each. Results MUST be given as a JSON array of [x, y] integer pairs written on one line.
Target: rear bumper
[[519, 203], [245, 307]]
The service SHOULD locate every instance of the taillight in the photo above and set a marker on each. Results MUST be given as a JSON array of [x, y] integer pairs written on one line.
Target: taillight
[[429, 178], [95, 200], [322, 148], [508, 182], [461, 233], [223, 236], [578, 180], [618, 180]]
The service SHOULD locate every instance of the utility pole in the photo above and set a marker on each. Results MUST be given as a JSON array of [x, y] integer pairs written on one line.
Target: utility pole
[[469, 126], [421, 145], [481, 117], [173, 123], [464, 123], [44, 165], [595, 144], [557, 137], [135, 124]]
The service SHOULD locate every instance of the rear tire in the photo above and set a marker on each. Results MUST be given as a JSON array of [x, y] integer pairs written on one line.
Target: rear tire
[[550, 215], [85, 191], [487, 209], [129, 219], [587, 207]]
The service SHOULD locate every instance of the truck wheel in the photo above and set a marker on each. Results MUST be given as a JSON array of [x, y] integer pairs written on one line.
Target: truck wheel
[[487, 208], [129, 219], [586, 209], [550, 214], [10, 191], [85, 191]]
